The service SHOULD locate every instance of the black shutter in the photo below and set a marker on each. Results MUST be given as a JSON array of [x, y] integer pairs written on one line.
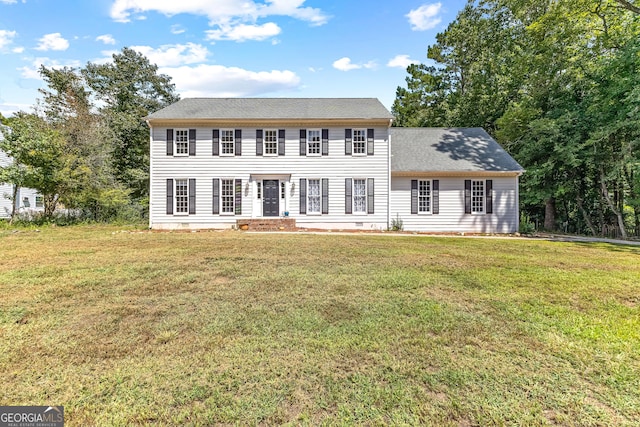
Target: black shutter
[[192, 142], [216, 142], [325, 196], [414, 196], [238, 196], [216, 196], [370, 196], [303, 196], [281, 140], [238, 138], [347, 196], [370, 138], [192, 196], [325, 142], [347, 142], [435, 196], [169, 197], [169, 142], [259, 142], [467, 196], [303, 142], [489, 197]]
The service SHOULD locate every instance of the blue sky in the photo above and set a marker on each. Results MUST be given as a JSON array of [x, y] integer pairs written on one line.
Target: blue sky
[[228, 48]]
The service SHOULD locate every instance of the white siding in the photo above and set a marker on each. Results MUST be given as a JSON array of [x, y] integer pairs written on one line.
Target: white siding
[[204, 167], [6, 191], [452, 217]]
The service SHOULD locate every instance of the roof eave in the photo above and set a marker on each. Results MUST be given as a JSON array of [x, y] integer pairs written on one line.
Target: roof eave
[[452, 173]]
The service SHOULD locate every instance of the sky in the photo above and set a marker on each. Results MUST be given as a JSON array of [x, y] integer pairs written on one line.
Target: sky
[[225, 48]]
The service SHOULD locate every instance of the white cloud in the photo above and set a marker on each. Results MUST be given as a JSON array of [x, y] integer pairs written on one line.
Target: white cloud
[[18, 49], [220, 81], [53, 41], [106, 39], [171, 55], [219, 11], [6, 38], [177, 29], [345, 64], [425, 17], [401, 61], [8, 109], [9, 1], [32, 72], [243, 32]]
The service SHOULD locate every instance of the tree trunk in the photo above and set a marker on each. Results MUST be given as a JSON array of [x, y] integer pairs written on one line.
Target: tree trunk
[[550, 214], [586, 217], [612, 206], [14, 197]]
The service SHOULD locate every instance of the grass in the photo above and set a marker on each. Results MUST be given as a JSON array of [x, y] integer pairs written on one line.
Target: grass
[[127, 328]]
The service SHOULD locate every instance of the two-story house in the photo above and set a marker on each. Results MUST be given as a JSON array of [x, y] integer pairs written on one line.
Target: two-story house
[[326, 163]]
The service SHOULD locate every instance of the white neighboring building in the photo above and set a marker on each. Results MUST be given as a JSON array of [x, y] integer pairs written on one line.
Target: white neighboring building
[[327, 163], [27, 200]]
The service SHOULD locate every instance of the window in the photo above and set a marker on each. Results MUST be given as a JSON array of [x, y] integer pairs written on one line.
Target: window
[[314, 196], [227, 142], [26, 203], [360, 196], [477, 196], [227, 195], [39, 202], [259, 190], [282, 190], [181, 196], [271, 142], [313, 142], [182, 142], [359, 141], [424, 196]]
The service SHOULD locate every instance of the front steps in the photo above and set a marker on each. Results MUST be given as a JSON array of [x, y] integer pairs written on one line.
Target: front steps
[[267, 224]]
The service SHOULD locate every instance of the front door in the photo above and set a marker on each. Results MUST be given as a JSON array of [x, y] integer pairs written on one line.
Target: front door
[[271, 197]]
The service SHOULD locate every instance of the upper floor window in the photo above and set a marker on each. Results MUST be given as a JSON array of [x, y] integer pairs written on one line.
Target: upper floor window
[[313, 142], [39, 202], [359, 141], [227, 141], [270, 142], [181, 142]]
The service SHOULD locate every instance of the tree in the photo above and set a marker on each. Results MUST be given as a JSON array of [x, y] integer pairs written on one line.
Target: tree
[[556, 83], [130, 89], [39, 158]]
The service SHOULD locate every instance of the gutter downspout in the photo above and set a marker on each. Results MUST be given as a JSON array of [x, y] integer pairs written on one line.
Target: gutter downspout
[[389, 176], [150, 174]]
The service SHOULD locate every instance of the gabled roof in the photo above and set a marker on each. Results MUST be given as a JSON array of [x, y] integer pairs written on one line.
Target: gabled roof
[[274, 108], [448, 150]]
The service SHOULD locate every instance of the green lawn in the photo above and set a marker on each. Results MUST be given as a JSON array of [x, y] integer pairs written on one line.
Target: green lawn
[[230, 328]]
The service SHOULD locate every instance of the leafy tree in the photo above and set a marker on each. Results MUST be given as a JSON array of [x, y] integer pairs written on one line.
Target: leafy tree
[[557, 84], [130, 88], [39, 158]]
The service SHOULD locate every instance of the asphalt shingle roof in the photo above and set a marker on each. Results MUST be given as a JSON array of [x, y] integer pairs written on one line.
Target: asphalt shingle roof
[[448, 150], [274, 108]]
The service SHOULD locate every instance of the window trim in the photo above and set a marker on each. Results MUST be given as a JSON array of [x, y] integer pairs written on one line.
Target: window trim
[[429, 196], [223, 142], [309, 142], [175, 197], [319, 196], [233, 197], [365, 196], [276, 142], [363, 142], [482, 197], [176, 153]]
